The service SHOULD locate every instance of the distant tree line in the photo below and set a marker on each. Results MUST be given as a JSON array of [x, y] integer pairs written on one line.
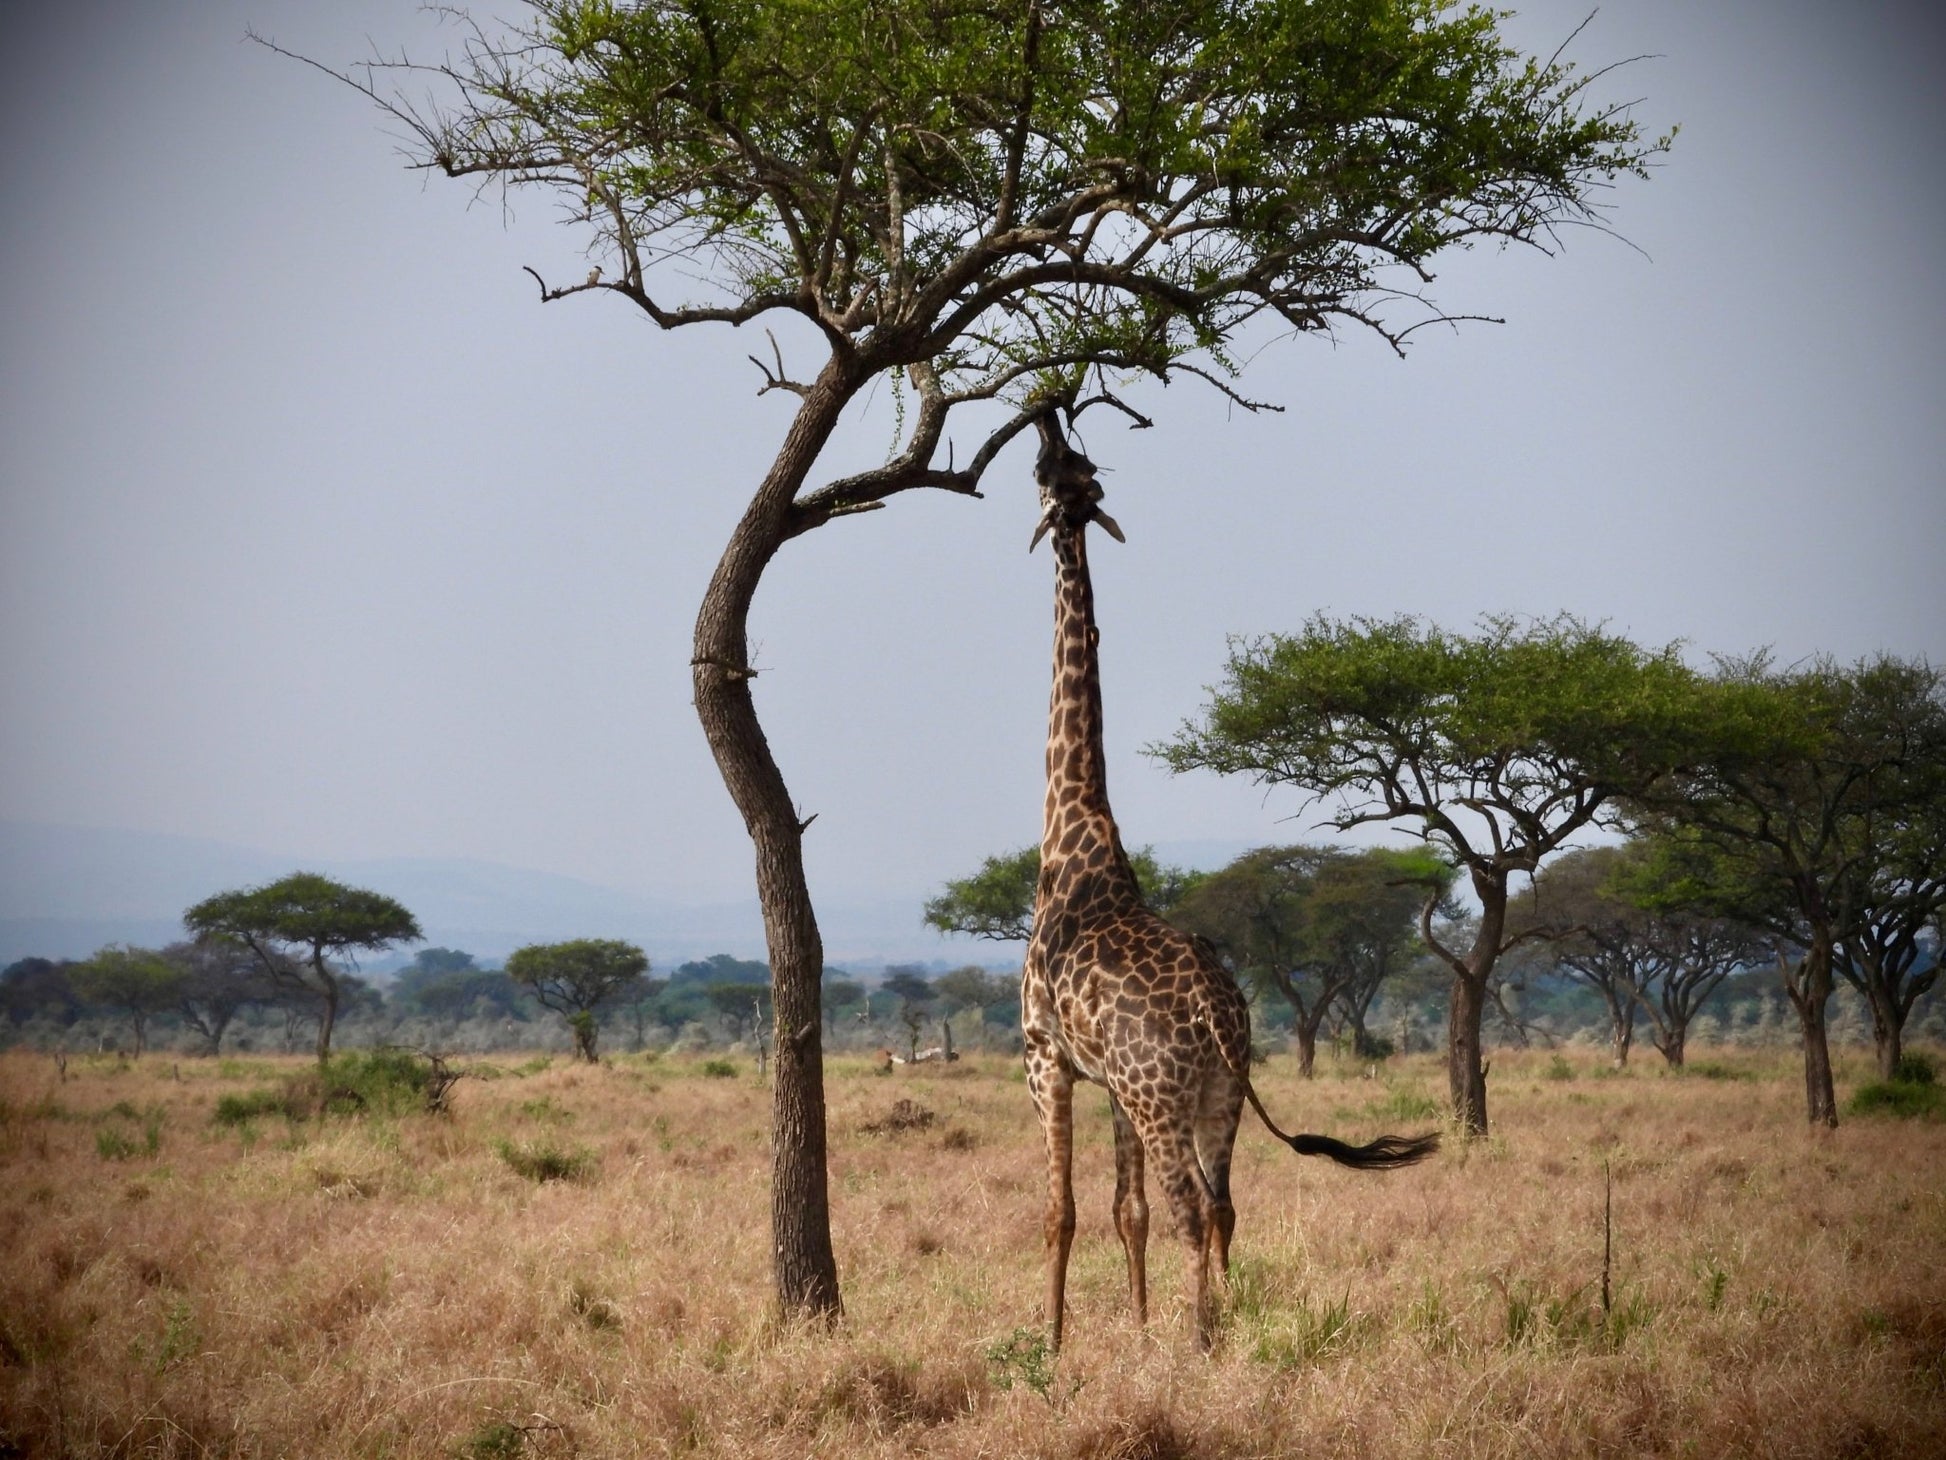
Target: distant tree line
[[273, 968]]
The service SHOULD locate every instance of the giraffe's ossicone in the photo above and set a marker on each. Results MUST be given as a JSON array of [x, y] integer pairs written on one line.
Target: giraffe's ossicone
[[1113, 994]]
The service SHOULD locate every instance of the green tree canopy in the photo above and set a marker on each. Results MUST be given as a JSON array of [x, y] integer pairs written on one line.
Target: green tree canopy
[[137, 982], [32, 988], [1818, 820], [1496, 748], [740, 1005], [1599, 907], [996, 206], [997, 901], [1322, 927], [576, 978], [221, 978], [300, 927], [839, 993], [973, 987]]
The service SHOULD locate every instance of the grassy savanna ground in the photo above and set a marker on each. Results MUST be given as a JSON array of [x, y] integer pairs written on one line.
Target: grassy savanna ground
[[395, 1285]]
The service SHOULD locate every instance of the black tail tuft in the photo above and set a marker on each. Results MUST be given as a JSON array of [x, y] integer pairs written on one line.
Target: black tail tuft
[[1383, 1154]]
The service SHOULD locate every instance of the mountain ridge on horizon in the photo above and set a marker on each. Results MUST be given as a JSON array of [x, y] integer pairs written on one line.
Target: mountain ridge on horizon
[[66, 891]]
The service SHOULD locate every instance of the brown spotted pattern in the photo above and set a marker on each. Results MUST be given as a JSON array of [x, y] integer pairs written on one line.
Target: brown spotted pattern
[[1110, 992]]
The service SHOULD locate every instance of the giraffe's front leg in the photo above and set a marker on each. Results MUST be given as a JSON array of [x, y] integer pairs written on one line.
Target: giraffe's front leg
[[1051, 1081], [1131, 1209]]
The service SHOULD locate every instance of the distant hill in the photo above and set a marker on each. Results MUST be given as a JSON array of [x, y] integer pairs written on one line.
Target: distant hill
[[65, 891]]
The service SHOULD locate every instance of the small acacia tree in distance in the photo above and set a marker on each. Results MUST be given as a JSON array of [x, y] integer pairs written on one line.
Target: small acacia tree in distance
[[221, 978], [997, 902], [1820, 810], [575, 979], [1321, 926], [138, 982], [1662, 963], [1496, 748], [299, 926], [989, 203]]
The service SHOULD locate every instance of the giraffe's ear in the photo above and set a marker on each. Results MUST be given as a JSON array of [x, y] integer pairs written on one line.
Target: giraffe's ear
[[1040, 530], [1108, 525]]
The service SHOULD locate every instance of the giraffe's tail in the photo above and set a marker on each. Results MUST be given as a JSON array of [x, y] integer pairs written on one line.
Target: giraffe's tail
[[1387, 1153], [1384, 1154]]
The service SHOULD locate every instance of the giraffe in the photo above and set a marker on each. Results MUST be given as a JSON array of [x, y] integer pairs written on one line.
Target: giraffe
[[1111, 993]]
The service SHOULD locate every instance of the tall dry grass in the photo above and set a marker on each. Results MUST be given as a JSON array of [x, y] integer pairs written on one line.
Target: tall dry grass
[[417, 1286]]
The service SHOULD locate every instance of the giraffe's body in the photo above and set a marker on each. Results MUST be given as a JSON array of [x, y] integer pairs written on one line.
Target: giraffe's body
[[1113, 994]]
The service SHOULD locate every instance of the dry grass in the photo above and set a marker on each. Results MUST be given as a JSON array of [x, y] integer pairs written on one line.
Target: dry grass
[[397, 1287]]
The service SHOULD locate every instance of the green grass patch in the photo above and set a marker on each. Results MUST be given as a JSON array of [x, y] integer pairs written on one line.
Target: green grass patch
[[236, 1110], [1406, 1102], [1898, 1099], [115, 1142], [1306, 1334], [545, 1161], [1716, 1070]]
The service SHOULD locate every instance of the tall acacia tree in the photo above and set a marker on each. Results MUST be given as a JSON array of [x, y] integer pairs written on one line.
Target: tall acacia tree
[[986, 201], [1817, 820], [299, 927], [577, 978], [1497, 749]]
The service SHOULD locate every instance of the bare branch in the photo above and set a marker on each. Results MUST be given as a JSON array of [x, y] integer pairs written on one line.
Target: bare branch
[[776, 379]]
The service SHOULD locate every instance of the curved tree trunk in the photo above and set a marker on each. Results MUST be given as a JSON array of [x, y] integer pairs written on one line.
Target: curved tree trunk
[[804, 1268]]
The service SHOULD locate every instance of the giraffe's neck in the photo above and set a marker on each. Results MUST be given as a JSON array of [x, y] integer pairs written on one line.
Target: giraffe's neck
[[1077, 827]]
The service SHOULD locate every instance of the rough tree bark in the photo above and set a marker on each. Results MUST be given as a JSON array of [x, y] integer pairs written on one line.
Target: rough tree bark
[[1808, 981], [805, 1268]]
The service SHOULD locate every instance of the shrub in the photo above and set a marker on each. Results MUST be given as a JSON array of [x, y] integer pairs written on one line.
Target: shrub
[[1713, 1070], [1915, 1069], [1558, 1068], [545, 1161], [361, 1082], [234, 1110], [719, 1069], [1899, 1098], [377, 1081]]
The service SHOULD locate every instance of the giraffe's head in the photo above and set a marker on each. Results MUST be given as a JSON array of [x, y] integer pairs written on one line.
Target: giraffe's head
[[1070, 495]]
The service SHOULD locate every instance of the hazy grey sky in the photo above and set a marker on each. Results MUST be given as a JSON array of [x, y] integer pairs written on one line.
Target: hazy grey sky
[[319, 534]]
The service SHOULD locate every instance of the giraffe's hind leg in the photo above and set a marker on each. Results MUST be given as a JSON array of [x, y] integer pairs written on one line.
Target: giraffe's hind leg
[[1051, 1081], [1216, 1133], [1131, 1208], [1172, 1150]]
